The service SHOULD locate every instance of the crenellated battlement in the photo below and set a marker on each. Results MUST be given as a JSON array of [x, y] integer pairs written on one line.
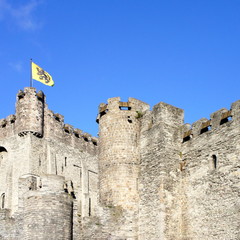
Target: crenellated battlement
[[115, 105], [148, 176], [56, 128], [217, 119], [33, 117]]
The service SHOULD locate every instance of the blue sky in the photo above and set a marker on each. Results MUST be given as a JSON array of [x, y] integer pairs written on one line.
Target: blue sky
[[185, 53]]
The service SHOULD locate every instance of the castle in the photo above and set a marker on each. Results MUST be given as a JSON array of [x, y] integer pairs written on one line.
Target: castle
[[148, 176]]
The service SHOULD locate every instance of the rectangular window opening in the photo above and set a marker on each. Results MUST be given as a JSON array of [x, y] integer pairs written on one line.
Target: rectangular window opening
[[124, 108]]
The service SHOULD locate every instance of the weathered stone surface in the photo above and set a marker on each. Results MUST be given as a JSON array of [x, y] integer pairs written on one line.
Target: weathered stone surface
[[147, 177]]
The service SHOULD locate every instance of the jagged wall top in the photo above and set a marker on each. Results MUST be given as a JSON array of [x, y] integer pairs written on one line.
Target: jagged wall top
[[217, 119], [115, 105], [33, 116]]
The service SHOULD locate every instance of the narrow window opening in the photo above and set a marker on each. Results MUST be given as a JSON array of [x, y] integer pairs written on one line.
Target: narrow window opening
[[66, 131], [95, 143], [214, 161], [73, 195], [65, 161], [89, 209], [85, 139], [3, 201]]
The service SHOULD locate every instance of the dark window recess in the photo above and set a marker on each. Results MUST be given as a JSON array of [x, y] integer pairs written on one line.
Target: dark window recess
[[57, 119], [20, 96], [103, 112], [3, 201], [65, 161], [214, 161], [95, 143], [2, 149], [77, 135], [187, 138], [225, 120], [89, 208], [85, 139], [206, 129], [129, 119], [66, 131], [73, 195]]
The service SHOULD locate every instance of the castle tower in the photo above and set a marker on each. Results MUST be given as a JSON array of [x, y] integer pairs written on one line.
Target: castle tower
[[119, 128], [30, 111], [47, 209]]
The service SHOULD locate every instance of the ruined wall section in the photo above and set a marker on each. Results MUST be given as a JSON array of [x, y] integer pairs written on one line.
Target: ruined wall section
[[160, 144], [210, 176]]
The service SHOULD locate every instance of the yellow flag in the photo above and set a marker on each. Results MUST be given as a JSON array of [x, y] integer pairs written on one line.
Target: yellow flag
[[40, 75]]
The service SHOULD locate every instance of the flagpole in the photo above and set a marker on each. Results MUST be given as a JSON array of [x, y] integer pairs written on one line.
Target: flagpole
[[31, 81]]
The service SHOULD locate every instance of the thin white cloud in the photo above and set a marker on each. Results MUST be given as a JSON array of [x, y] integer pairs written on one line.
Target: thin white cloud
[[17, 66], [22, 16], [4, 8]]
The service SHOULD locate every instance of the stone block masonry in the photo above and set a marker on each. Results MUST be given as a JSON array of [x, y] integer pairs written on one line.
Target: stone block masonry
[[148, 176]]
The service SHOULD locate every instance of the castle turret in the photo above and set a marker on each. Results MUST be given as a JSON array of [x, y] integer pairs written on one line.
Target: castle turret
[[119, 128], [30, 111], [47, 208]]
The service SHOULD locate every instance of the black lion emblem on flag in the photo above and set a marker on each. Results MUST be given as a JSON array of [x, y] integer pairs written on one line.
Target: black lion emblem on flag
[[43, 75]]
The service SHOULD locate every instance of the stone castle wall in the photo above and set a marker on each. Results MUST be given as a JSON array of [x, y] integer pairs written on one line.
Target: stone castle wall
[[148, 176], [210, 176], [160, 144], [36, 141]]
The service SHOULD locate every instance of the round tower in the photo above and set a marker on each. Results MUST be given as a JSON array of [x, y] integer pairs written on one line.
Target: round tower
[[119, 127], [47, 210], [30, 111]]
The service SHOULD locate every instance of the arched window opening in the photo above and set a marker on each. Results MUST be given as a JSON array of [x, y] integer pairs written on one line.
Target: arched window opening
[[3, 153], [214, 161], [2, 149], [3, 201]]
